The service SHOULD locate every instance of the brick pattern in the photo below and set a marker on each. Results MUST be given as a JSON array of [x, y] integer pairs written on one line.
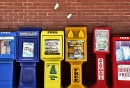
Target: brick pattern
[[89, 13], [112, 13]]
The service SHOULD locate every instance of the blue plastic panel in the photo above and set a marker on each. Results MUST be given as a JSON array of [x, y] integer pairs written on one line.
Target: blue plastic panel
[[6, 74], [28, 33], [28, 75], [27, 37], [5, 69], [28, 50], [30, 29]]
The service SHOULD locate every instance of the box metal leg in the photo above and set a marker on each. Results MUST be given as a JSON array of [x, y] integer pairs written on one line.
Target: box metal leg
[[27, 75]]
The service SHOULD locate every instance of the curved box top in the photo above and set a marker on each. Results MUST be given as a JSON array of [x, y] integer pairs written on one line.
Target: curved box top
[[7, 46], [30, 29]]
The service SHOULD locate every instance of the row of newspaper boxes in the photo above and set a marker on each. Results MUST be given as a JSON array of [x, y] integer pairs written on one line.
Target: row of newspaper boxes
[[29, 44]]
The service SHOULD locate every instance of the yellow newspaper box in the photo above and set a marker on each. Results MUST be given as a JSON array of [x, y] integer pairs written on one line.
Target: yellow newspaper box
[[52, 53], [76, 53]]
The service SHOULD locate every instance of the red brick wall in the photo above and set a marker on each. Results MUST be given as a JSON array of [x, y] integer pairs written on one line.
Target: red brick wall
[[89, 13], [112, 13]]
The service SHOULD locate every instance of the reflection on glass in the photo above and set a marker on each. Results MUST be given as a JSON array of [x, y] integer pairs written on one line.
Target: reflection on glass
[[75, 49], [101, 41], [28, 49], [52, 47], [5, 46], [122, 50]]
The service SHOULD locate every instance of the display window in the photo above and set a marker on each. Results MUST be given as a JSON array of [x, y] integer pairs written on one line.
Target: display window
[[28, 49], [101, 40], [76, 49], [7, 46], [122, 51], [52, 47]]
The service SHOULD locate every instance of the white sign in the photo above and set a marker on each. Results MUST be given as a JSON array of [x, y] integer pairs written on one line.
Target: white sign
[[100, 69], [28, 33], [124, 72], [124, 37], [1, 38], [5, 32]]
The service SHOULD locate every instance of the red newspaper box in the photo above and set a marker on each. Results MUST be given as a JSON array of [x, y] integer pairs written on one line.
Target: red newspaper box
[[101, 47], [121, 62]]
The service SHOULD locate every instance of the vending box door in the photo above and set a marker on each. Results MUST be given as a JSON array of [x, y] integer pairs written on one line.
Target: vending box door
[[28, 50], [101, 39], [52, 47], [7, 47], [121, 62], [76, 50]]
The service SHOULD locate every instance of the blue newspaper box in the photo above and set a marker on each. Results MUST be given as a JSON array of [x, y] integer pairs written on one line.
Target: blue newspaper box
[[28, 54], [7, 57]]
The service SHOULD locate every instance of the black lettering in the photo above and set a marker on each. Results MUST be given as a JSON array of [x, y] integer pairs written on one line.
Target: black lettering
[[75, 77], [76, 80], [76, 73], [75, 69]]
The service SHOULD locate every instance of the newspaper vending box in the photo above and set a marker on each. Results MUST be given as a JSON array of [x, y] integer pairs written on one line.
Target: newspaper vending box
[[7, 57], [52, 53], [121, 62], [76, 53], [101, 47], [28, 54]]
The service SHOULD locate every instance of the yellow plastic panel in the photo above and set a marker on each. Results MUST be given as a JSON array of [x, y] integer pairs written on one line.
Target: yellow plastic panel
[[76, 53], [52, 77], [76, 77], [52, 45], [76, 32]]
